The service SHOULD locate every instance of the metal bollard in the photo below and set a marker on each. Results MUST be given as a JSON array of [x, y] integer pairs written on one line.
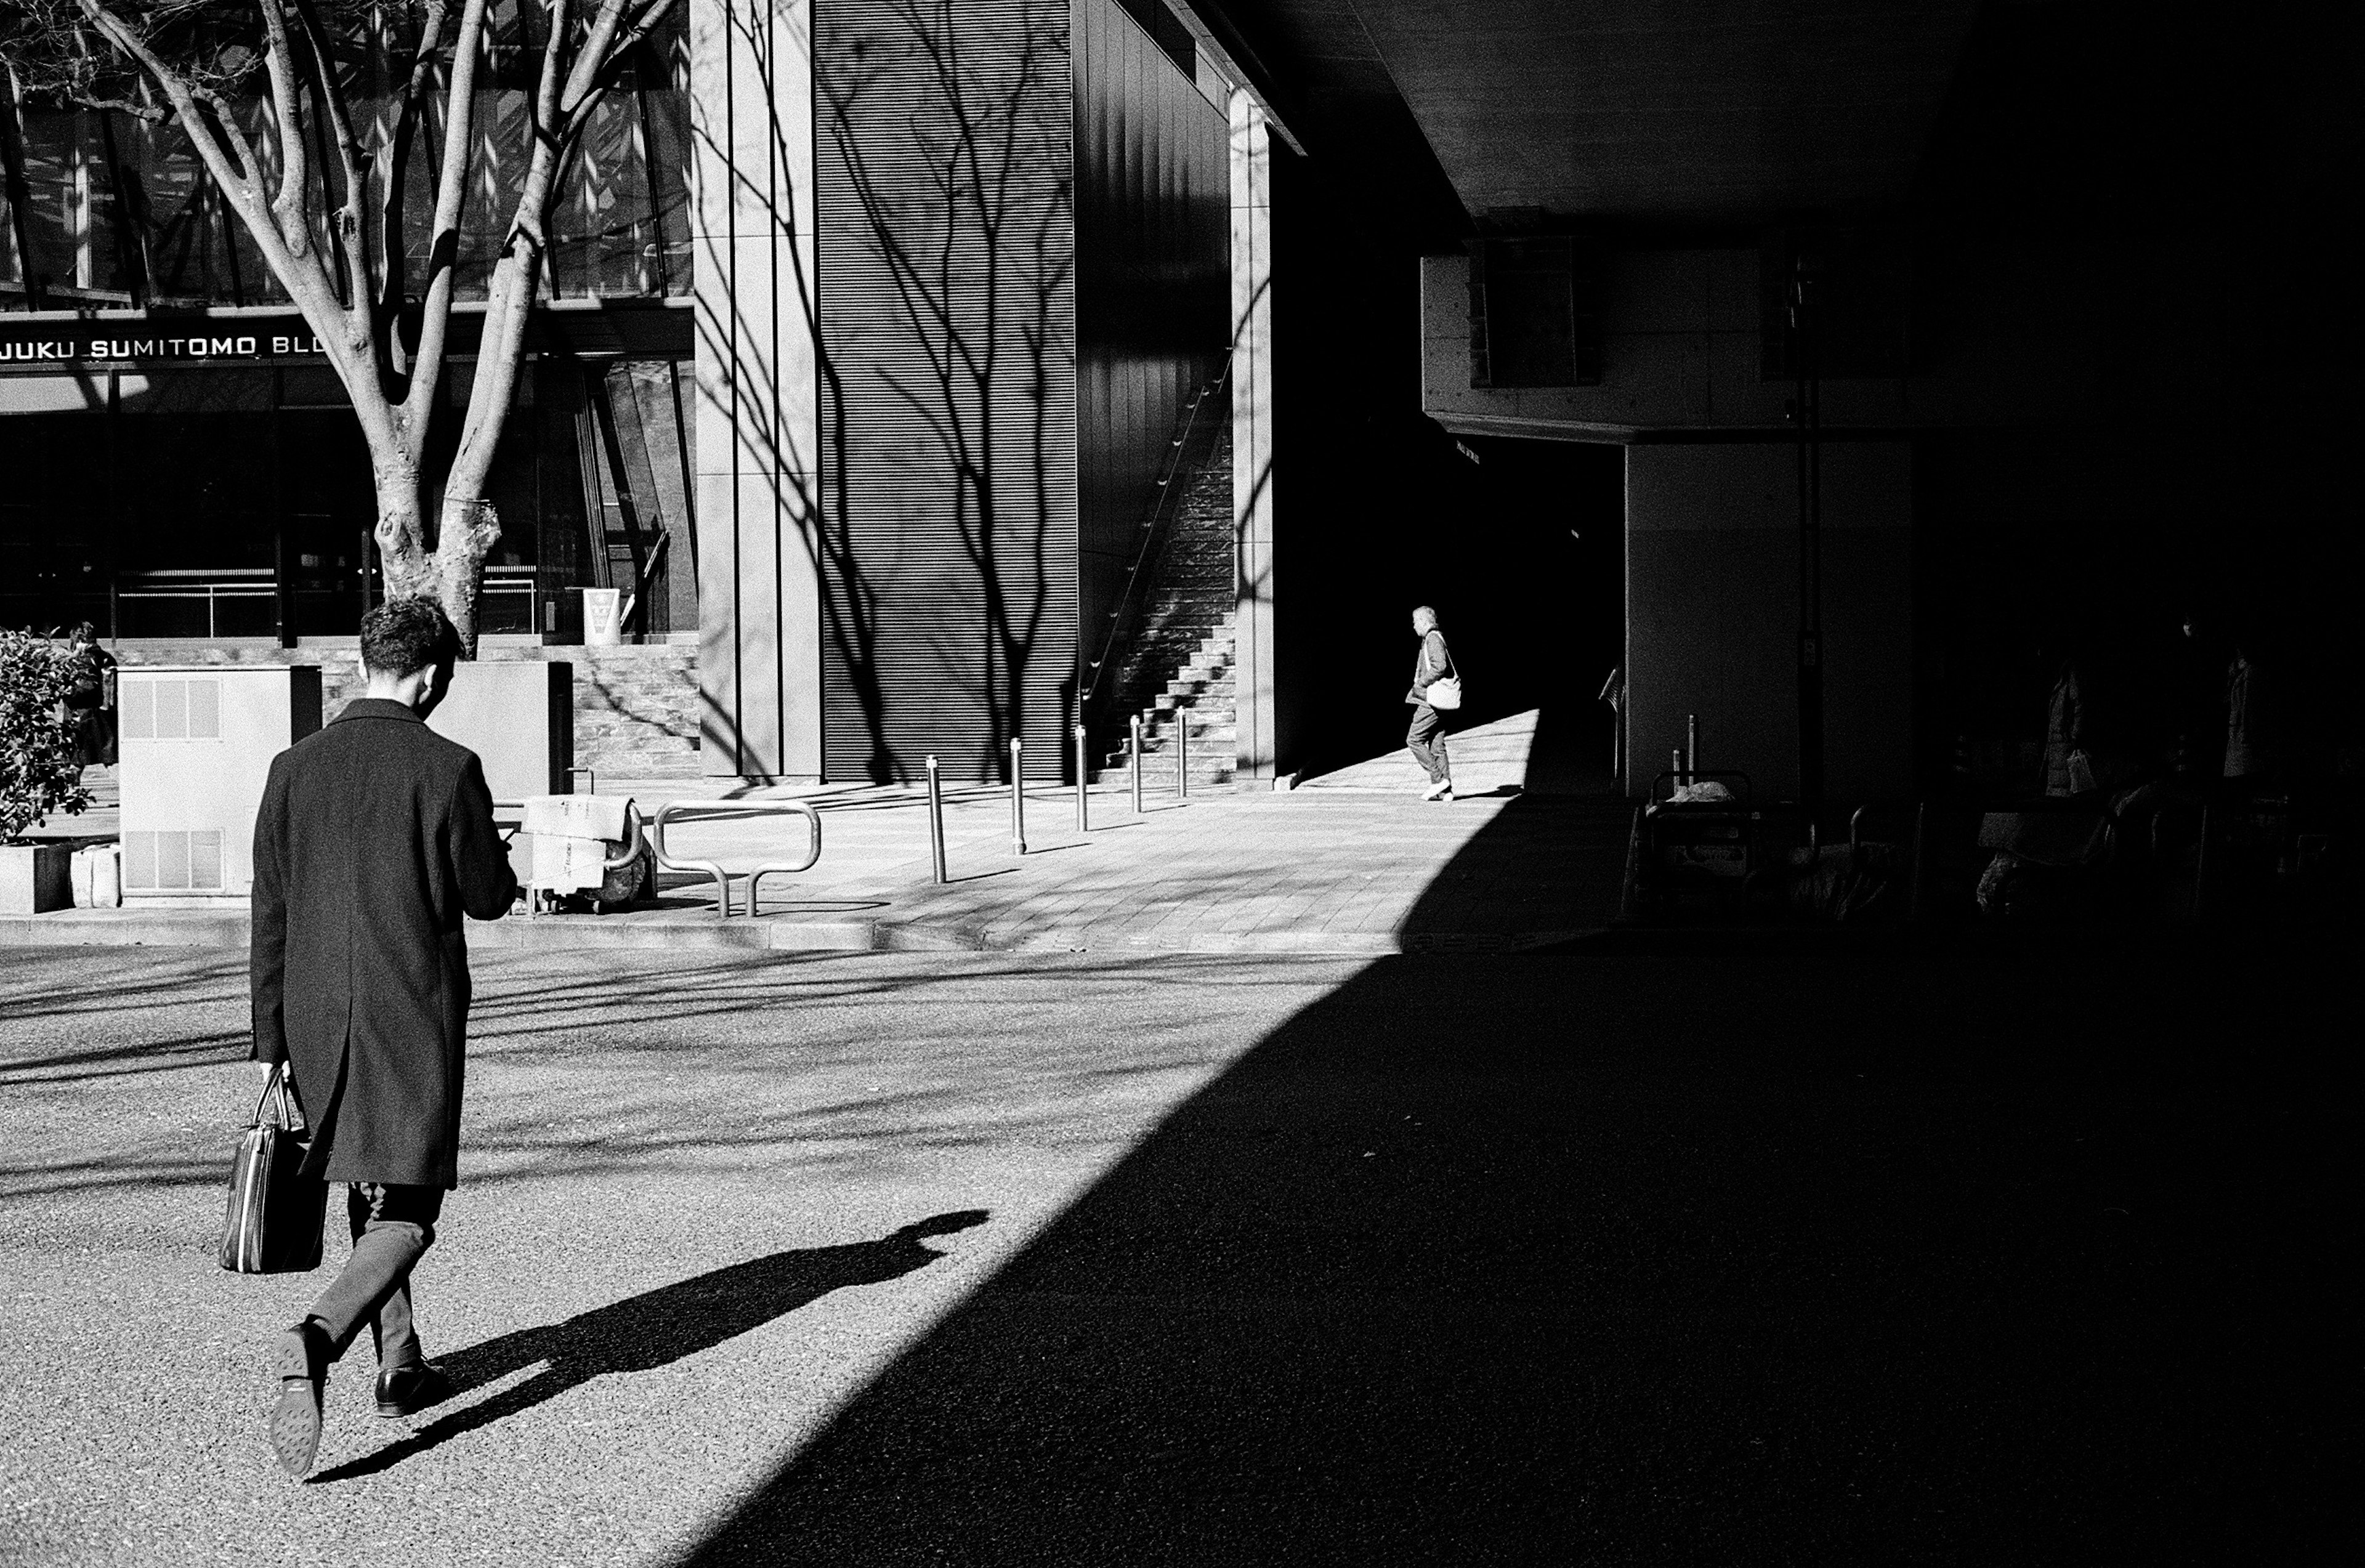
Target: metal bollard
[[1691, 748], [1182, 753], [1136, 765], [936, 820], [1920, 848], [1017, 795], [1083, 815]]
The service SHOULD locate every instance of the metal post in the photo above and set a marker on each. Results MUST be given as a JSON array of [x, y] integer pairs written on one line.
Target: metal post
[[1182, 753], [1675, 765], [1804, 343], [1691, 748], [2201, 868], [1920, 848], [936, 820], [1136, 765], [1017, 795], [1083, 812]]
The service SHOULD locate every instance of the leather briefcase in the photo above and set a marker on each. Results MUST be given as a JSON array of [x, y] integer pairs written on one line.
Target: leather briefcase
[[273, 1222]]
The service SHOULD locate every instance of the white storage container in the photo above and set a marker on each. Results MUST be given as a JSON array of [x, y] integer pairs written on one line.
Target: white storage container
[[98, 876]]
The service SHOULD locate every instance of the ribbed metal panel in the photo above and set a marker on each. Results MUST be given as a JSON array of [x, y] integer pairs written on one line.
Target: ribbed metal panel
[[1153, 291], [949, 392]]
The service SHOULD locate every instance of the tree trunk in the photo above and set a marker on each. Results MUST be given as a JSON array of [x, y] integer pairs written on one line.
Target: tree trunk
[[465, 535], [452, 573], [401, 542]]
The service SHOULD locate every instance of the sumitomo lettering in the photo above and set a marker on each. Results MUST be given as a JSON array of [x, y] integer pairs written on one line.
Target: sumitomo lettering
[[69, 351]]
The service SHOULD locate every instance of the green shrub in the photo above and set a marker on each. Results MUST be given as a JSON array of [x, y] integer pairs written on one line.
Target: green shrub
[[38, 773]]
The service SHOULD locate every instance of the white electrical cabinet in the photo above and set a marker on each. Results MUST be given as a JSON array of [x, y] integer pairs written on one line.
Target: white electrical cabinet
[[196, 744]]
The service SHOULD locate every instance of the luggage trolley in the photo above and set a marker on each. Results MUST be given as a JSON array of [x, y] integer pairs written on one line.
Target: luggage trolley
[[1695, 856]]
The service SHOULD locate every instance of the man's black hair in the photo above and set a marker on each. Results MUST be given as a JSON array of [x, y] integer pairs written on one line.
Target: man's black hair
[[406, 634]]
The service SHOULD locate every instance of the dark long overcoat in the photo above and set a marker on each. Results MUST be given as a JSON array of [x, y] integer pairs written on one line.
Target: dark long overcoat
[[374, 837]]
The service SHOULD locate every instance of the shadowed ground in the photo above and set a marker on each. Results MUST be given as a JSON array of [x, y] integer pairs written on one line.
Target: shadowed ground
[[1731, 1248], [1636, 1254]]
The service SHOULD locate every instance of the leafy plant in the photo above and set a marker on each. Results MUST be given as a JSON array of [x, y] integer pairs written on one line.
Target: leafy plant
[[38, 771]]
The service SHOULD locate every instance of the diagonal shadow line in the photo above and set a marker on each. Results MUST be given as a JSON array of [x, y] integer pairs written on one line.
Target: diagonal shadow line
[[656, 1329]]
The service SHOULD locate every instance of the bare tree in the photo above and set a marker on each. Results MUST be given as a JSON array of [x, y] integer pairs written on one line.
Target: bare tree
[[325, 202]]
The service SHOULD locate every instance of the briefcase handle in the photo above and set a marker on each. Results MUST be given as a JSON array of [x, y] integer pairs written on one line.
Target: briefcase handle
[[279, 1091]]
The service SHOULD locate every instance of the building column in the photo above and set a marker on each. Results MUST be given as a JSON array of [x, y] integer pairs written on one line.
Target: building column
[[757, 418], [1260, 745]]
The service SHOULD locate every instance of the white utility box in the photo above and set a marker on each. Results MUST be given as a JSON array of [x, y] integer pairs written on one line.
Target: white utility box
[[196, 747], [517, 716]]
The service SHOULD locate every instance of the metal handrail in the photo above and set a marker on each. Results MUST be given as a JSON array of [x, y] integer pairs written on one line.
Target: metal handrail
[[713, 869], [1152, 530]]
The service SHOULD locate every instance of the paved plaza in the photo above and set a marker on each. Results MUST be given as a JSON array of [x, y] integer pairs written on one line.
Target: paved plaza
[[1350, 864], [1516, 1239], [1642, 1250]]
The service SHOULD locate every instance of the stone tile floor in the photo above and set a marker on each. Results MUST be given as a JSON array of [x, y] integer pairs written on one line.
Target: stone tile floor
[[1351, 862]]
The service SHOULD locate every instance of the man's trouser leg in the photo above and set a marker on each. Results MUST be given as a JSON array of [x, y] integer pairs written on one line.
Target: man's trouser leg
[[1427, 743], [392, 1227]]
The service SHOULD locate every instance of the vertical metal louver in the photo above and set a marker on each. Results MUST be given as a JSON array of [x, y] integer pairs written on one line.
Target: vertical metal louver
[[945, 247]]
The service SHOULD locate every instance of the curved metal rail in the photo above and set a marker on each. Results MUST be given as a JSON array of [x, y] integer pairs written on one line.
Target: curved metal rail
[[666, 814]]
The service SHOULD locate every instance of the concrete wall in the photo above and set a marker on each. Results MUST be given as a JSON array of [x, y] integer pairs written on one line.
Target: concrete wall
[[1264, 741], [1712, 613], [757, 403], [1682, 350]]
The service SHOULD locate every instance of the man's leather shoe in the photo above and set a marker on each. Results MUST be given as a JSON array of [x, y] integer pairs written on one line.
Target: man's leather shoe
[[300, 1360], [406, 1390]]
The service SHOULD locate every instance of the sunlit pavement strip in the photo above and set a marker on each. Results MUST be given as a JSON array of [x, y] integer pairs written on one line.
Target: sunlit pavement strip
[[632, 1125], [1347, 865]]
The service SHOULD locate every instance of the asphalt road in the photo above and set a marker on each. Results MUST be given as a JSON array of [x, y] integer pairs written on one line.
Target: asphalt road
[[1667, 1252]]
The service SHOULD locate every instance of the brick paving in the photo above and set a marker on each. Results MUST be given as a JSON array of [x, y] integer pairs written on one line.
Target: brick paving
[[1352, 862]]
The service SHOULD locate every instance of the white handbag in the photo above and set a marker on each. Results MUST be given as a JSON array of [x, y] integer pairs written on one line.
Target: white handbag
[[1445, 693]]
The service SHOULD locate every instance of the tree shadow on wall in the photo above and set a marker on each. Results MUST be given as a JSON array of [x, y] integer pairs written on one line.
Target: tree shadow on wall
[[945, 128], [657, 1329]]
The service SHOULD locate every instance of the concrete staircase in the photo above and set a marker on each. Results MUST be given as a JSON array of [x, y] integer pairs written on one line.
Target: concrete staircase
[[1201, 696], [1178, 666]]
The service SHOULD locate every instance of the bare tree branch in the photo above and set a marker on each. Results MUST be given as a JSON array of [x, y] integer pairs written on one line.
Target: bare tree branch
[[443, 232], [393, 173], [346, 218], [287, 110]]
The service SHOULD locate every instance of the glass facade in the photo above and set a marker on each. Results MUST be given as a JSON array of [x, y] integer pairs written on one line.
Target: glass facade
[[106, 210], [233, 498]]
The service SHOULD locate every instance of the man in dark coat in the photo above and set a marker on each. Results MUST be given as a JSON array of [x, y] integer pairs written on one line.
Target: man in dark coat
[[375, 836]]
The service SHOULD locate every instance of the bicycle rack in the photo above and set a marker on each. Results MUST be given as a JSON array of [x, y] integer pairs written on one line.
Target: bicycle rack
[[657, 837]]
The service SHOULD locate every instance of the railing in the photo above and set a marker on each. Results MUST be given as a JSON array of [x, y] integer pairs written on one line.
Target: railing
[[657, 836], [207, 590], [511, 601], [1167, 501], [239, 602]]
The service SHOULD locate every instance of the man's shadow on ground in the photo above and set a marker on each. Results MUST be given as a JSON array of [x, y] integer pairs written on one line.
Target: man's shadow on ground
[[644, 1332]]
